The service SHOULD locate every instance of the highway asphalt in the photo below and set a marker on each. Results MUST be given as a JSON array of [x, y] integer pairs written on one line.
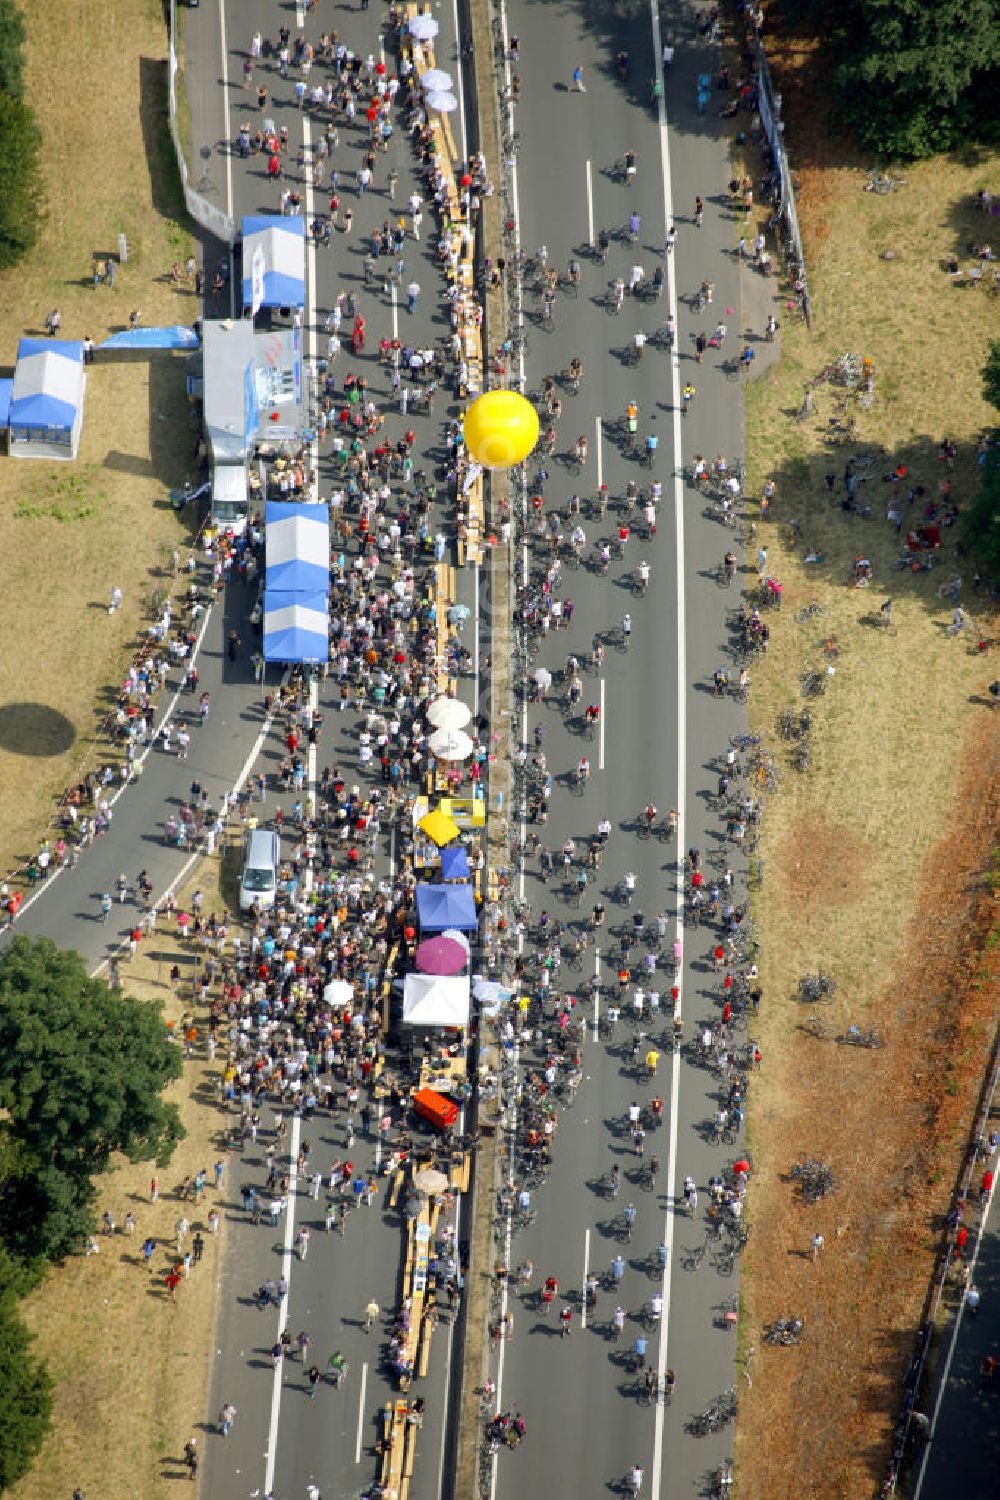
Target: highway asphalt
[[282, 1440], [663, 732]]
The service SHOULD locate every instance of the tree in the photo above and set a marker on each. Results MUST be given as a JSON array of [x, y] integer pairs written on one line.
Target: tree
[[25, 1397], [991, 375], [908, 72], [21, 192], [82, 1070], [12, 37]]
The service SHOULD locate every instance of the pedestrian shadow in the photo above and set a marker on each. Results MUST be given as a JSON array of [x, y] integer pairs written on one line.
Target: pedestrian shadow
[[552, 1329]]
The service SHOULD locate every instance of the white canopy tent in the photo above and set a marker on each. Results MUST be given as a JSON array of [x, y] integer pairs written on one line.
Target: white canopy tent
[[436, 1000]]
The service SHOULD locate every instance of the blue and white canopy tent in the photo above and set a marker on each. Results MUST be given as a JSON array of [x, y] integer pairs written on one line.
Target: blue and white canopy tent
[[297, 547], [296, 627], [443, 906], [46, 407], [281, 242]]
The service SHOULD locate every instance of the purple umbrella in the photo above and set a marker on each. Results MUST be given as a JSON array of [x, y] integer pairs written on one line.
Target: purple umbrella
[[440, 955]]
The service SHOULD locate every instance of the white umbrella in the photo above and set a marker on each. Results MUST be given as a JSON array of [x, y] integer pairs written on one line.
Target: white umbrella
[[423, 27], [450, 744], [338, 991], [448, 713], [429, 1180], [443, 102], [435, 79]]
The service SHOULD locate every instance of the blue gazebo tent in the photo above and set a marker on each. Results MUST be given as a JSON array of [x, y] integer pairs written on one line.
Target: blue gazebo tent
[[282, 242], [46, 406], [442, 906], [296, 627], [297, 547], [454, 863]]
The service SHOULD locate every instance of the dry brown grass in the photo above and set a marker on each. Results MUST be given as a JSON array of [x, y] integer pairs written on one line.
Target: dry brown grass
[[871, 858], [132, 1368], [61, 650]]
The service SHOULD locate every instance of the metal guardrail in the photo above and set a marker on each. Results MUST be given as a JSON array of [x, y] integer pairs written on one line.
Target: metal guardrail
[[221, 224], [769, 105], [924, 1341]]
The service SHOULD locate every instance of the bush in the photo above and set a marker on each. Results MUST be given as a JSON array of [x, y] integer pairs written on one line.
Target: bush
[[12, 36], [21, 193]]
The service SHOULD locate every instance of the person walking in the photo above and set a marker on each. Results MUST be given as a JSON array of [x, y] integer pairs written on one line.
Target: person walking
[[226, 1418], [578, 86], [371, 1315], [818, 1242], [412, 296]]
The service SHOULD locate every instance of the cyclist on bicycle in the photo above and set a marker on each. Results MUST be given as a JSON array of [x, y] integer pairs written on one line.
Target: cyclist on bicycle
[[618, 1320], [643, 574], [626, 628], [580, 449], [583, 776], [729, 565], [605, 557], [649, 815], [629, 1217], [634, 224], [618, 293], [635, 1473], [720, 678], [593, 714], [628, 885], [573, 273], [603, 241], [652, 441], [616, 1180], [672, 819], [638, 345], [617, 1270], [575, 371], [670, 331], [687, 396], [631, 165]]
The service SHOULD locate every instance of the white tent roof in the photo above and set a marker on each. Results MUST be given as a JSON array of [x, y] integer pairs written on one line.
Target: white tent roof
[[296, 627], [48, 383], [436, 999], [282, 240], [297, 547]]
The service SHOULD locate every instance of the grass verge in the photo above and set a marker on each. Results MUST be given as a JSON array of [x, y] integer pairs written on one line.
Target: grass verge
[[131, 1367], [874, 859], [72, 531]]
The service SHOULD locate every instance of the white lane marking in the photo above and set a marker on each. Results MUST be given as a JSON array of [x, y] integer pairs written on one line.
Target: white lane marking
[[590, 208], [597, 994], [600, 731], [271, 1454], [597, 448], [361, 1412], [229, 155], [586, 1273], [300, 14], [458, 75], [681, 754]]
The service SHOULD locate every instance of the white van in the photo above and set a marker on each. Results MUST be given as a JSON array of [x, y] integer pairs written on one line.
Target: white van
[[261, 866]]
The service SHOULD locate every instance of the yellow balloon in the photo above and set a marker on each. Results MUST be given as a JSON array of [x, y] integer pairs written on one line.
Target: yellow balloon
[[501, 428]]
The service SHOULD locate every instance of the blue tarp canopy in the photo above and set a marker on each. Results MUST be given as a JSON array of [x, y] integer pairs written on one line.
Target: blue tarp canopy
[[6, 392], [454, 863], [297, 547], [296, 627], [177, 337], [442, 906], [283, 243], [48, 384]]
